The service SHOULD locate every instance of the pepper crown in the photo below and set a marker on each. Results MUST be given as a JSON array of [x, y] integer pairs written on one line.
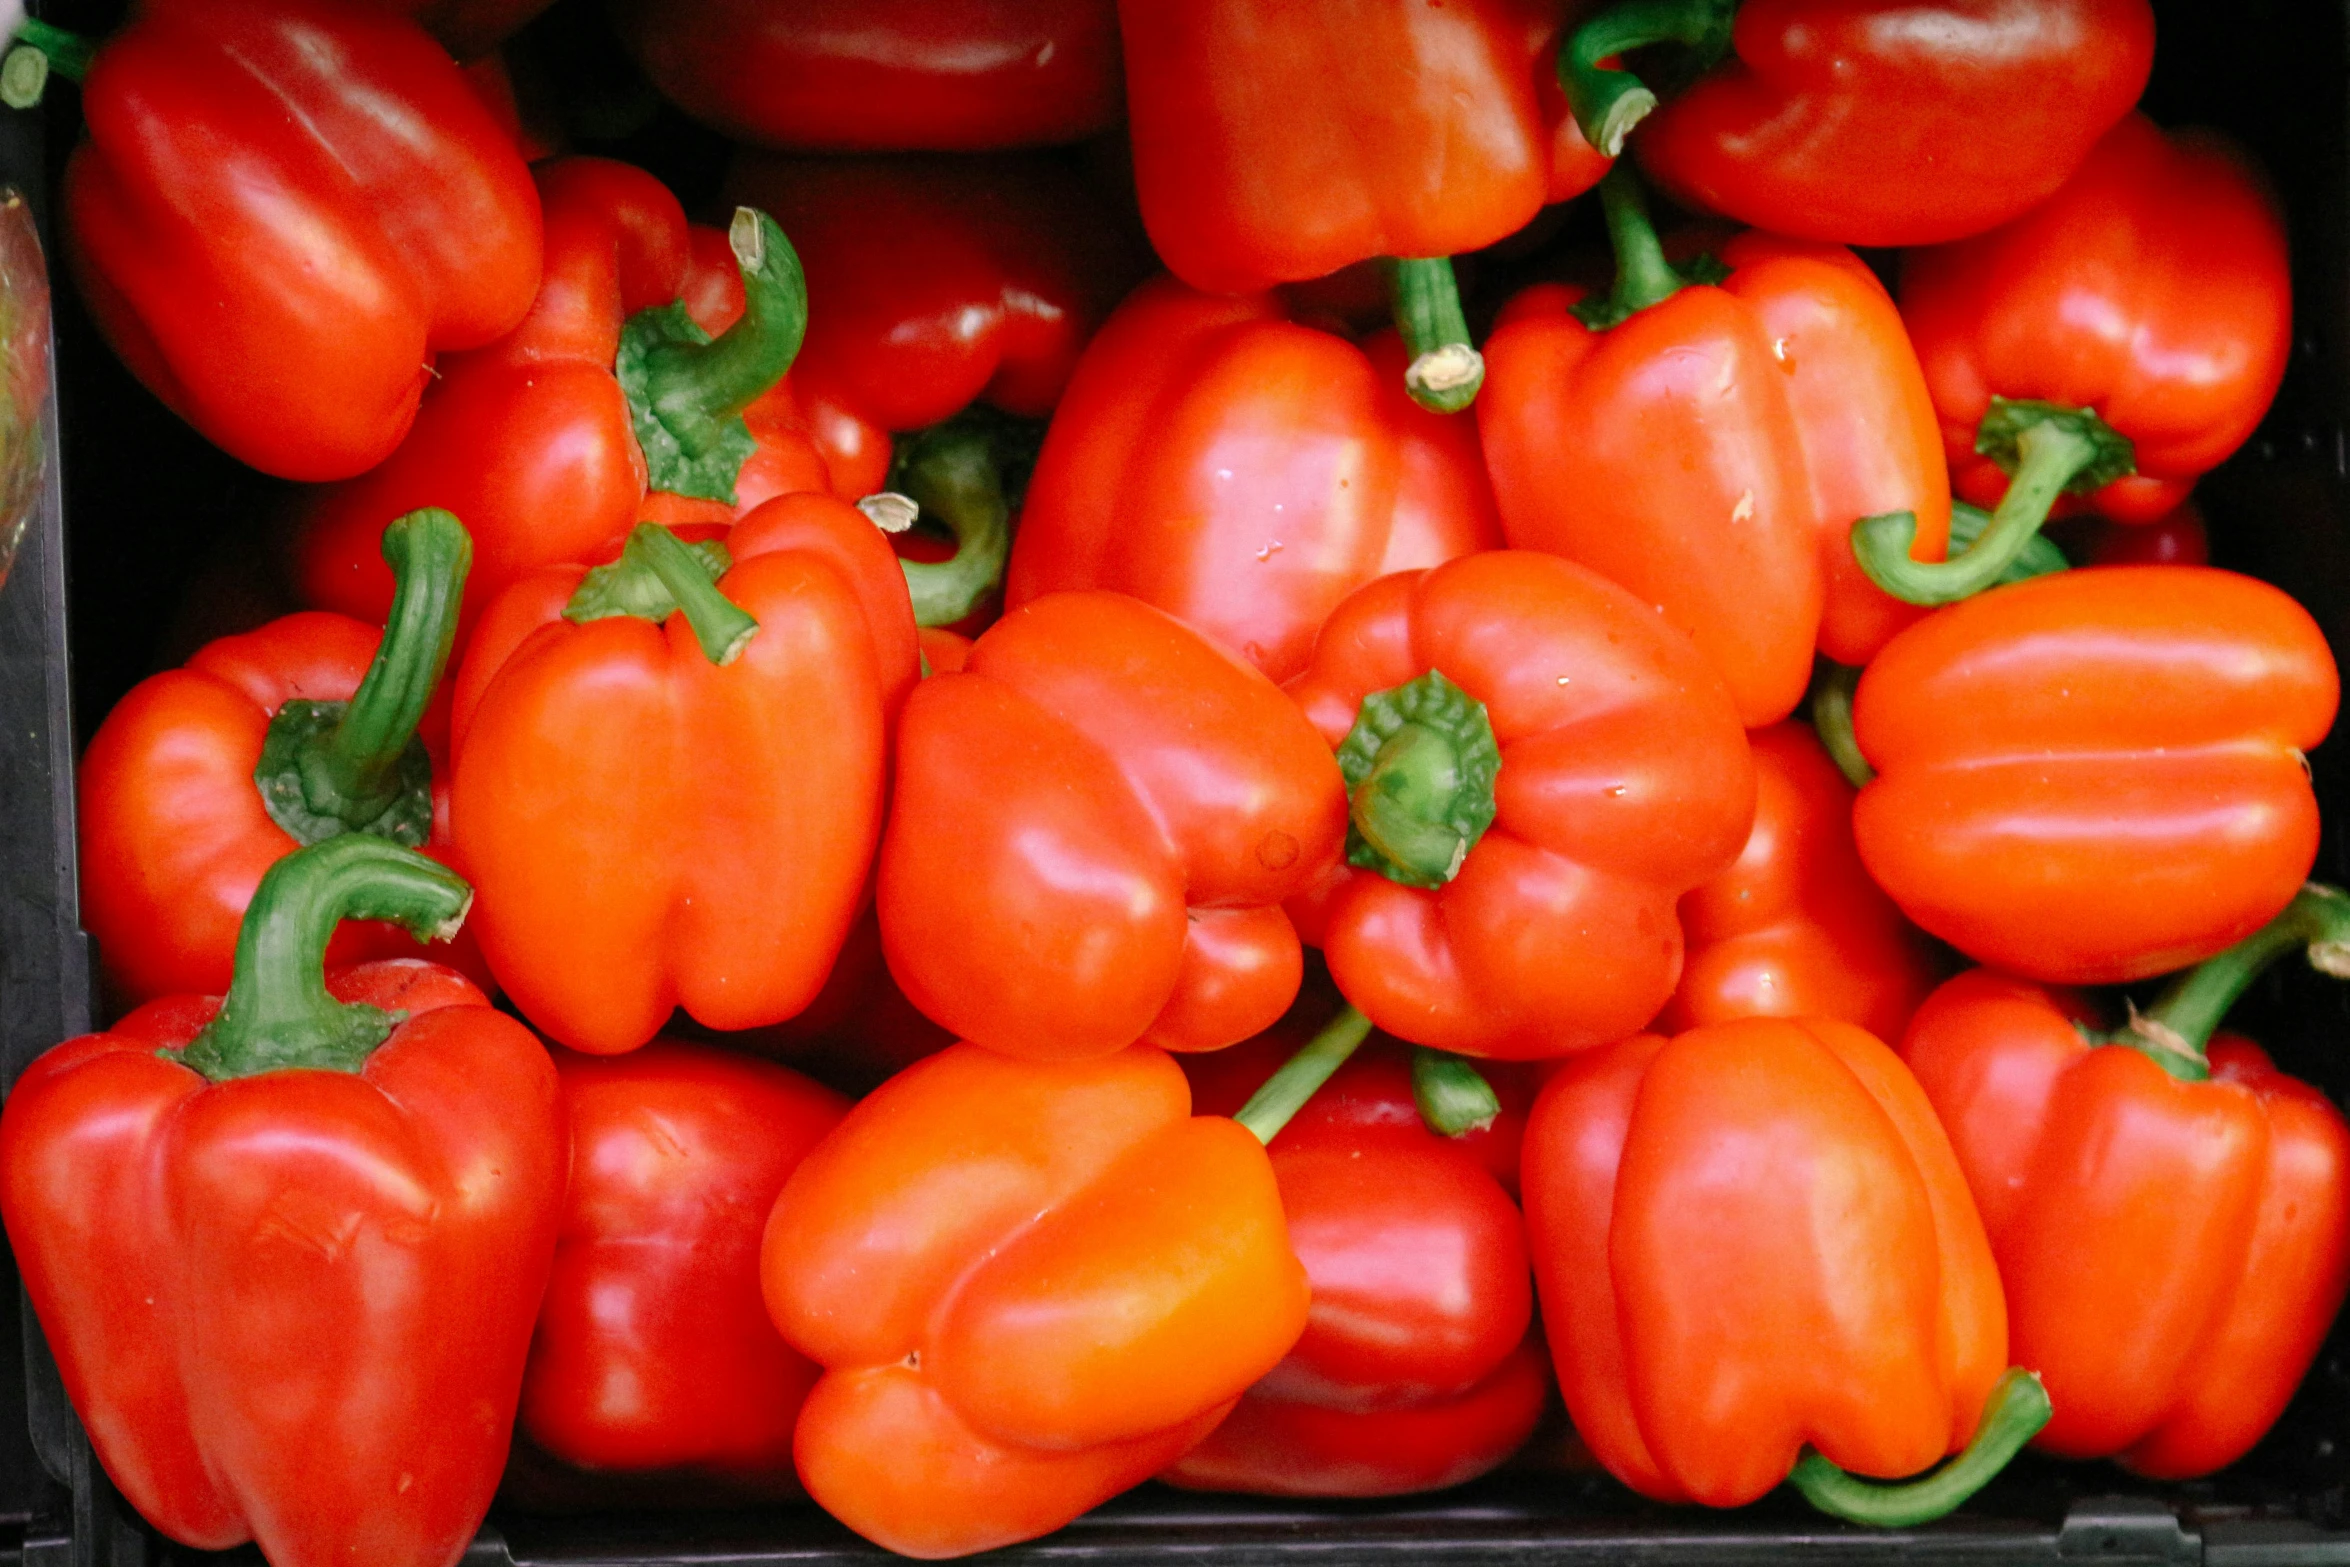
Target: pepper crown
[[1420, 765], [659, 575]]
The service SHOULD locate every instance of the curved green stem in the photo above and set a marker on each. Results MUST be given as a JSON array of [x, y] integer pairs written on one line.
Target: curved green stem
[[1831, 720], [1420, 766], [659, 575], [2178, 1027], [2017, 1409], [329, 768], [1643, 276], [1607, 104], [1446, 369], [687, 391], [1285, 1093], [2046, 450], [278, 1015], [40, 50], [1453, 1096], [953, 473]]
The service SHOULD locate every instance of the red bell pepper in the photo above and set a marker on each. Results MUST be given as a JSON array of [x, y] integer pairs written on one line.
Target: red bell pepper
[[1796, 928], [1094, 828], [670, 771], [288, 1245], [1417, 1368], [2172, 1223], [1032, 1285], [2096, 776], [469, 28], [2116, 342], [1243, 473], [654, 1349], [883, 75], [1866, 122], [202, 778], [1710, 447], [1539, 768], [1275, 142], [263, 255], [547, 441], [1753, 1239]]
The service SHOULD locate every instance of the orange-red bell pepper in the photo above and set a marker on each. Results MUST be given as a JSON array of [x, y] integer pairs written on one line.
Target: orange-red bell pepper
[[2172, 1223]]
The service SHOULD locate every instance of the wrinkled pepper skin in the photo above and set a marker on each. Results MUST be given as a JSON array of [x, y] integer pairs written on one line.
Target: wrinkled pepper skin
[[646, 827], [1031, 1285], [286, 293], [294, 1307], [1244, 472], [2173, 1252], [1712, 452], [2152, 289], [1416, 1369], [1899, 122], [1796, 928], [1095, 825], [654, 1350], [1625, 781], [883, 75], [1275, 142], [1752, 1237], [2096, 776], [467, 27]]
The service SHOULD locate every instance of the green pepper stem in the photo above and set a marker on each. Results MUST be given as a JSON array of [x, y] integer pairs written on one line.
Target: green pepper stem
[[278, 1015], [695, 389], [1285, 1093], [951, 472], [2013, 1415], [40, 50], [1420, 766], [430, 554], [1643, 276], [1453, 1096], [1831, 720], [1446, 370], [2051, 455], [2190, 1009], [723, 627], [1607, 104]]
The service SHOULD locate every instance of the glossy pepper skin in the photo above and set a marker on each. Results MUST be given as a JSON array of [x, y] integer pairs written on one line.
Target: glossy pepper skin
[[1623, 781], [1752, 1238], [2151, 289], [2096, 776], [1031, 1285], [1898, 122], [1796, 928], [534, 439], [654, 1350], [177, 829], [290, 1291], [1093, 830], [2174, 1250], [640, 800], [287, 293], [1712, 452], [1417, 1369], [1243, 472], [884, 75]]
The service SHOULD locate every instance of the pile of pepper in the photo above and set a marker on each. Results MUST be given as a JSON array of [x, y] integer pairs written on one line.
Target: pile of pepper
[[1060, 876]]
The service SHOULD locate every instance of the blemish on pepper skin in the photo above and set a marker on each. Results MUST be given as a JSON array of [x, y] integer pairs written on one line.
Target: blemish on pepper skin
[[1277, 850]]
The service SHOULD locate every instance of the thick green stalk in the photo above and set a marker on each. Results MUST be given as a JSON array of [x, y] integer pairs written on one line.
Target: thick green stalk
[[1831, 720], [1607, 104], [1453, 1096], [39, 51], [1643, 276], [2178, 1027], [2017, 1409], [659, 575], [1285, 1093], [1446, 369], [952, 472]]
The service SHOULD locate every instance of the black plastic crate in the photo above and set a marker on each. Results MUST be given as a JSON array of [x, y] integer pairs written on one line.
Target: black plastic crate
[[91, 608]]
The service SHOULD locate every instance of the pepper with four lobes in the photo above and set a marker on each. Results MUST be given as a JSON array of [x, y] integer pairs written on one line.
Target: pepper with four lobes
[[670, 771], [2096, 776], [202, 778], [2170, 1213], [288, 1245], [883, 75], [1710, 444], [548, 441], [1538, 767], [1758, 1262], [653, 1349], [1244, 472], [1275, 142], [283, 210], [2111, 345], [1865, 122]]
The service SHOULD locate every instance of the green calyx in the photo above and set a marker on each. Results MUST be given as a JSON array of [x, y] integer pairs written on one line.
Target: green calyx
[[329, 768], [659, 575], [1643, 276], [2012, 1416], [278, 1015], [1453, 1096], [38, 51], [1608, 103], [687, 391], [1446, 371], [2046, 449], [1420, 765], [2174, 1032], [1285, 1093], [969, 474]]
